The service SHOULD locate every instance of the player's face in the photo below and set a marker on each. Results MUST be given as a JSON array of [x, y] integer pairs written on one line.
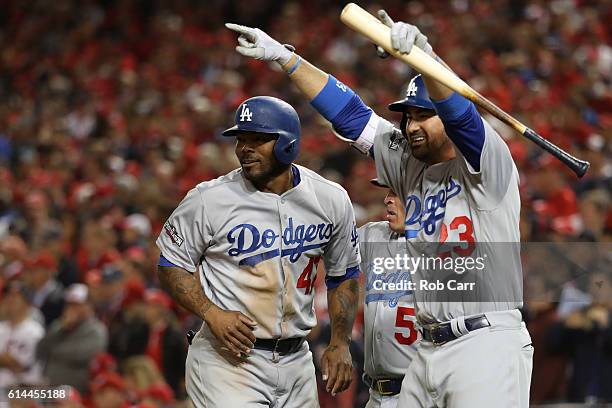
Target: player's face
[[395, 212], [255, 151], [426, 135]]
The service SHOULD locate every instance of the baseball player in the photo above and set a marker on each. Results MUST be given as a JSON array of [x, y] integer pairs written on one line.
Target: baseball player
[[459, 185], [255, 237], [390, 333]]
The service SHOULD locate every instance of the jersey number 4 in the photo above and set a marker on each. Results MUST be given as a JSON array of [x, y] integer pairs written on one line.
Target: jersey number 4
[[402, 319], [307, 279]]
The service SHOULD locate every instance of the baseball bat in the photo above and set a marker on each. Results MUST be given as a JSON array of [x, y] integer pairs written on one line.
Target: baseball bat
[[363, 22]]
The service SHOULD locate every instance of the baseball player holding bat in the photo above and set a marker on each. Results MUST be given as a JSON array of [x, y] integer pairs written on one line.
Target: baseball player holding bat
[[459, 185], [390, 333], [255, 236]]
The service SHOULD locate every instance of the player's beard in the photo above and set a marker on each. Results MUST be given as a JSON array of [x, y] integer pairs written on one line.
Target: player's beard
[[266, 172], [421, 151], [431, 150]]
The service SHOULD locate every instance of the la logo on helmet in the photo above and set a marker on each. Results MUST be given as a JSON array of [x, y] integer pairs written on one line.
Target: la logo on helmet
[[412, 89], [245, 113]]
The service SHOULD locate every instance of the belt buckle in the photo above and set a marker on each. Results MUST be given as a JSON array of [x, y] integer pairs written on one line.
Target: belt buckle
[[379, 387], [434, 331], [275, 353]]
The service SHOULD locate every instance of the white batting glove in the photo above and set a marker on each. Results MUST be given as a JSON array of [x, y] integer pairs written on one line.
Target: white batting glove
[[404, 35], [255, 43]]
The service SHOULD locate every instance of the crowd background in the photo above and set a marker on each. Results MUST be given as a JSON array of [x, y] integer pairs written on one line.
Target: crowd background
[[110, 111]]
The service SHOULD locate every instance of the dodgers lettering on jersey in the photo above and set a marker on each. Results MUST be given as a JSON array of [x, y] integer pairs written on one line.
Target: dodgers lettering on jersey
[[390, 331], [258, 252], [452, 202], [246, 239], [425, 214], [374, 286]]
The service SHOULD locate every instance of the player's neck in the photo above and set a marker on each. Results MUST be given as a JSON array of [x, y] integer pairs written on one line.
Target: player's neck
[[278, 183]]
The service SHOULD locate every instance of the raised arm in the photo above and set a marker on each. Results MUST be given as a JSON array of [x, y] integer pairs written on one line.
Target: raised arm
[[255, 43], [308, 78], [403, 37], [483, 150], [336, 102], [462, 122]]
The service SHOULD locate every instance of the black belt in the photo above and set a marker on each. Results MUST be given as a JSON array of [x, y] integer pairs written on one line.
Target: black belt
[[442, 333], [384, 386], [285, 346]]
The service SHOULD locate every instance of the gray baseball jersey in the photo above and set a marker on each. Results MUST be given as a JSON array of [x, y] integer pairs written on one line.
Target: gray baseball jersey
[[257, 252], [451, 202], [390, 332]]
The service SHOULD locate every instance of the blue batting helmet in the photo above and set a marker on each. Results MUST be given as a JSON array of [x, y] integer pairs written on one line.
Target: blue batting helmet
[[266, 114], [416, 96]]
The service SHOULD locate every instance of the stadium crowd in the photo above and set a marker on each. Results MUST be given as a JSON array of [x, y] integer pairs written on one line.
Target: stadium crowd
[[112, 110]]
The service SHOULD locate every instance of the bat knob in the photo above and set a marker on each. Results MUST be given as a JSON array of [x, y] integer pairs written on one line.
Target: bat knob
[[581, 167]]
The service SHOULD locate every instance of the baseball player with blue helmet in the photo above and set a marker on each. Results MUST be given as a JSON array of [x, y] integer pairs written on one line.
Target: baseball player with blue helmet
[[241, 252], [459, 186]]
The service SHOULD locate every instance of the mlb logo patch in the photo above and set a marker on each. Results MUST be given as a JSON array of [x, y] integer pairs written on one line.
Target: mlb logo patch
[[394, 142], [174, 236]]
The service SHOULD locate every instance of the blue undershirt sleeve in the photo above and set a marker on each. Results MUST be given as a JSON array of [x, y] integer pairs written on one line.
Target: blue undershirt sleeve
[[333, 282], [463, 126], [164, 262], [352, 119], [343, 108]]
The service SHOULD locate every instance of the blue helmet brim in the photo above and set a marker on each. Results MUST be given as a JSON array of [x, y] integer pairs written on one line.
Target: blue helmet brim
[[235, 130], [231, 132]]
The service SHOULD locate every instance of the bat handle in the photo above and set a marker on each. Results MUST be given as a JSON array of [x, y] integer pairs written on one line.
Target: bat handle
[[578, 166]]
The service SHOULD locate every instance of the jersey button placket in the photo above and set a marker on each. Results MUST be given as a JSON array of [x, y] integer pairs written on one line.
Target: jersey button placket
[[284, 264]]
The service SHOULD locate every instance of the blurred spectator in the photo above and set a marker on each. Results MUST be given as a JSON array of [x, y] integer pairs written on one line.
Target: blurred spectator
[[13, 252], [55, 241], [158, 395], [72, 400], [72, 341], [136, 230], [550, 362], [19, 335], [102, 363], [587, 336], [108, 391], [142, 375], [36, 219], [109, 287], [141, 372], [166, 345], [599, 176], [594, 208], [48, 294], [153, 331], [134, 265], [96, 247]]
